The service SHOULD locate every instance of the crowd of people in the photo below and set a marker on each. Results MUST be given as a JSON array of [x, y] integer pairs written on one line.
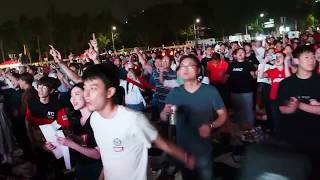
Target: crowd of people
[[114, 107]]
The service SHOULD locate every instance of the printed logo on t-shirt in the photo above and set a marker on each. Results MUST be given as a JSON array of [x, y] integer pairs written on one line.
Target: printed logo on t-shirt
[[50, 115], [117, 145], [64, 117], [237, 69]]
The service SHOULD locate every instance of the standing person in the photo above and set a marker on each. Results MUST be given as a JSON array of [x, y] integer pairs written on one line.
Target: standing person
[[6, 135], [299, 103], [241, 75], [216, 69], [132, 86], [44, 110], [122, 135], [207, 57], [200, 110], [276, 75], [259, 51], [82, 143]]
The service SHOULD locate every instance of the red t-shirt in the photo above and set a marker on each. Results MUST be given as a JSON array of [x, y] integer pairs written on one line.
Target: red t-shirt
[[276, 76], [216, 71]]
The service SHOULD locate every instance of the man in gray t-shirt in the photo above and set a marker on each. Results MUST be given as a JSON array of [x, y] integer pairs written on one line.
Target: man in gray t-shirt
[[200, 110]]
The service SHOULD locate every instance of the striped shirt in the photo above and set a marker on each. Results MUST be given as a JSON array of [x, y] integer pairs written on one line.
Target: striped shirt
[[162, 91]]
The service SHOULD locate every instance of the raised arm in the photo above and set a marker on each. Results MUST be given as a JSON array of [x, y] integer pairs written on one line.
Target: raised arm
[[73, 76]]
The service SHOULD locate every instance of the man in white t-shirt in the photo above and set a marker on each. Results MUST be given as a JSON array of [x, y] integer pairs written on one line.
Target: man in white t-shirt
[[122, 135]]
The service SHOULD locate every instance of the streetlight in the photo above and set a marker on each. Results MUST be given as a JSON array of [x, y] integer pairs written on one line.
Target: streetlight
[[261, 15], [194, 28], [112, 36]]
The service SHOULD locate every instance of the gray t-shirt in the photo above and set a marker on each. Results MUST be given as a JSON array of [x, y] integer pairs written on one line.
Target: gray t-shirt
[[194, 110]]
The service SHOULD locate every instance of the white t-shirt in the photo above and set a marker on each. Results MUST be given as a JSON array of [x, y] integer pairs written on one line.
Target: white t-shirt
[[123, 142], [260, 54], [132, 93]]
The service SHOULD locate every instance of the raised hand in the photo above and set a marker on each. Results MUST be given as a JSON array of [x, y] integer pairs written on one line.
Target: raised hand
[[55, 54], [92, 53], [94, 43]]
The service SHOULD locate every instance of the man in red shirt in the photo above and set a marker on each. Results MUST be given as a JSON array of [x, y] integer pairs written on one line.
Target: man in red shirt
[[216, 71]]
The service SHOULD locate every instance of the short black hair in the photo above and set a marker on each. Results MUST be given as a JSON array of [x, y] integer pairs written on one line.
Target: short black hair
[[302, 49], [216, 56], [16, 75], [49, 82], [26, 77], [108, 73]]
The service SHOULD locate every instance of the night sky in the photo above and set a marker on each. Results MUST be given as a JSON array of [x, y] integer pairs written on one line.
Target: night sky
[[12, 9]]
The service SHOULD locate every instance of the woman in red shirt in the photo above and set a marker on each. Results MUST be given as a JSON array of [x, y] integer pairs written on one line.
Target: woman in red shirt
[[275, 75]]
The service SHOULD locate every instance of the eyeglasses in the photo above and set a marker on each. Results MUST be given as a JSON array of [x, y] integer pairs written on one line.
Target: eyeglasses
[[42, 87]]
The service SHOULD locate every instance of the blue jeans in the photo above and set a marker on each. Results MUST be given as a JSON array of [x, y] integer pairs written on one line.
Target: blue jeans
[[203, 169]]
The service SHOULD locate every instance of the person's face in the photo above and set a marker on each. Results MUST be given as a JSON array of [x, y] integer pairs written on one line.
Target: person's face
[[15, 82], [77, 98], [158, 63], [188, 70], [279, 59], [43, 91], [279, 46], [247, 49], [96, 95], [270, 51], [131, 75], [153, 55], [307, 61], [166, 63], [288, 50], [317, 55], [209, 51], [240, 55], [116, 62], [258, 44]]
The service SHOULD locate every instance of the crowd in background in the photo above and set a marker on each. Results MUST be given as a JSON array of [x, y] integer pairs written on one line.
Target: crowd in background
[[114, 106]]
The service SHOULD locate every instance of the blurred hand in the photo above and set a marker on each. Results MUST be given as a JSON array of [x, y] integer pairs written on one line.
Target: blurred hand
[[167, 109], [92, 53], [65, 141], [48, 146], [205, 131], [293, 104], [314, 102], [190, 162]]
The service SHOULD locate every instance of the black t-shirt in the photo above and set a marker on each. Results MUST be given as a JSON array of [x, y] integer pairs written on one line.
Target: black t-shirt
[[12, 102], [83, 135], [300, 128], [204, 63], [240, 80], [253, 59], [38, 113]]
